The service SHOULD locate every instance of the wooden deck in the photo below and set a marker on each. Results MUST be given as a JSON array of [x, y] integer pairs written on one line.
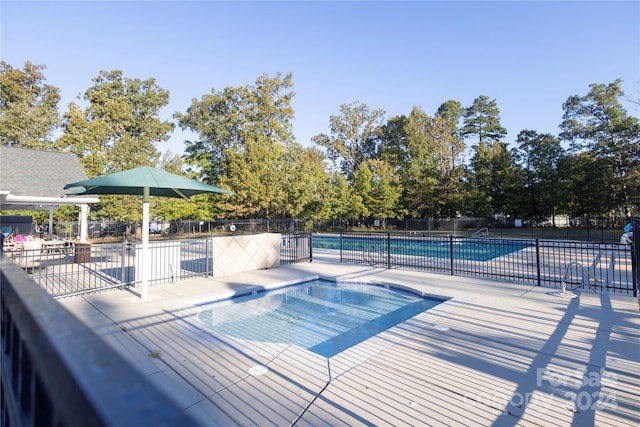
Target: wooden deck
[[496, 354]]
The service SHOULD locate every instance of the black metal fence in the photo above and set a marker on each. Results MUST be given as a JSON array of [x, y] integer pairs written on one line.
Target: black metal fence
[[296, 248], [107, 230], [589, 229], [540, 262], [55, 372], [635, 255]]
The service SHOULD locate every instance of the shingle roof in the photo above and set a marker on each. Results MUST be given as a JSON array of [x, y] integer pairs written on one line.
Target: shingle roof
[[25, 172]]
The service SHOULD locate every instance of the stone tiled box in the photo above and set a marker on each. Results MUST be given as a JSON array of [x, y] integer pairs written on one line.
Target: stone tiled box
[[236, 254], [231, 255]]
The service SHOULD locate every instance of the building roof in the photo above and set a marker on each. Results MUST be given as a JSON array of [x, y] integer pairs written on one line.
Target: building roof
[[35, 177]]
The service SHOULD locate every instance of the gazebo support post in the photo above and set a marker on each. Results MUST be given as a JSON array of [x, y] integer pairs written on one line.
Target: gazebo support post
[[146, 261], [50, 229], [83, 222]]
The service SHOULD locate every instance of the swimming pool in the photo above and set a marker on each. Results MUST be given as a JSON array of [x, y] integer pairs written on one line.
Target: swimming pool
[[458, 248], [321, 316]]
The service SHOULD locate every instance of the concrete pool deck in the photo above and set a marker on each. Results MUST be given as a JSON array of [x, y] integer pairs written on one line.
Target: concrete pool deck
[[497, 354]]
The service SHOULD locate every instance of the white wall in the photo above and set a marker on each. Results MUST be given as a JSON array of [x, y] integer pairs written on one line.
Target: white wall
[[239, 253]]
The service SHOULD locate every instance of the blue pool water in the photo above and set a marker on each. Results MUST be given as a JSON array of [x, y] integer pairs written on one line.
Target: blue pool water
[[321, 316], [460, 249]]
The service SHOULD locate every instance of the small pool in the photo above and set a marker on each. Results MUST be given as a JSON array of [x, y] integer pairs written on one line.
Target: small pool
[[459, 249], [321, 316]]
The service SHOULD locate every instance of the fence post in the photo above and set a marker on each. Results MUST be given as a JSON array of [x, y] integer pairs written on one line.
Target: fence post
[[209, 272], [538, 261], [635, 280], [310, 247], [341, 233], [635, 257], [451, 253], [388, 250], [123, 254]]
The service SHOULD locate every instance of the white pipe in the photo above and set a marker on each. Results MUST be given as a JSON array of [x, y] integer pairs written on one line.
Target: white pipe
[[146, 259], [83, 223]]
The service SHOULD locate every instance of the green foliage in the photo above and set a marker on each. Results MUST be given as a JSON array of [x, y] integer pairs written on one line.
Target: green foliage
[[118, 130], [305, 182], [64, 213], [120, 127], [353, 138], [539, 156], [586, 179], [482, 119], [28, 107], [246, 144], [227, 121], [406, 165], [420, 171], [599, 124], [255, 175], [496, 184], [392, 146], [379, 188], [340, 202], [168, 208], [426, 152]]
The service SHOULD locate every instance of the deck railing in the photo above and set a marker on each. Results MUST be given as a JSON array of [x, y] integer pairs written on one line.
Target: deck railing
[[82, 268], [56, 372], [539, 262]]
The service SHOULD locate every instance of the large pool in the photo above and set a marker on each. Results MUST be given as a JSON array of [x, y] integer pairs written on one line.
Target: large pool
[[321, 316], [459, 249]]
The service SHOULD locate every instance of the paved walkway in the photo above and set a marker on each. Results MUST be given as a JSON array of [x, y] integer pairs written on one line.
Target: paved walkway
[[496, 354]]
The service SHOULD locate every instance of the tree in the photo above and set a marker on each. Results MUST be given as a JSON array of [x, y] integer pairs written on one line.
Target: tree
[[392, 144], [341, 200], [482, 119], [539, 156], [306, 182], [120, 127], [255, 175], [169, 208], [448, 149], [598, 123], [28, 107], [87, 139], [379, 188], [353, 136], [585, 179], [490, 163], [495, 182], [420, 170], [426, 152], [227, 121], [118, 130], [245, 144]]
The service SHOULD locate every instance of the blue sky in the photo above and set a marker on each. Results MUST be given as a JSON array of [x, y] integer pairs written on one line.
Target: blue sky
[[528, 56]]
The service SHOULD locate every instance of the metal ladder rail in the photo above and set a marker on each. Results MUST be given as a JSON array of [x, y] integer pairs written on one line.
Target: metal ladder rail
[[586, 272], [483, 229]]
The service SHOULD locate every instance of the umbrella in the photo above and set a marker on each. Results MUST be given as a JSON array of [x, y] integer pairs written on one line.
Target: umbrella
[[144, 181]]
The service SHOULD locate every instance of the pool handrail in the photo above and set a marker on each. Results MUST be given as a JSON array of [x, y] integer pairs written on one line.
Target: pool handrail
[[483, 229]]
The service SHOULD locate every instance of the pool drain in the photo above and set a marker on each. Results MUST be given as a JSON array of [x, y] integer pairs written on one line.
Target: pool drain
[[258, 370]]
